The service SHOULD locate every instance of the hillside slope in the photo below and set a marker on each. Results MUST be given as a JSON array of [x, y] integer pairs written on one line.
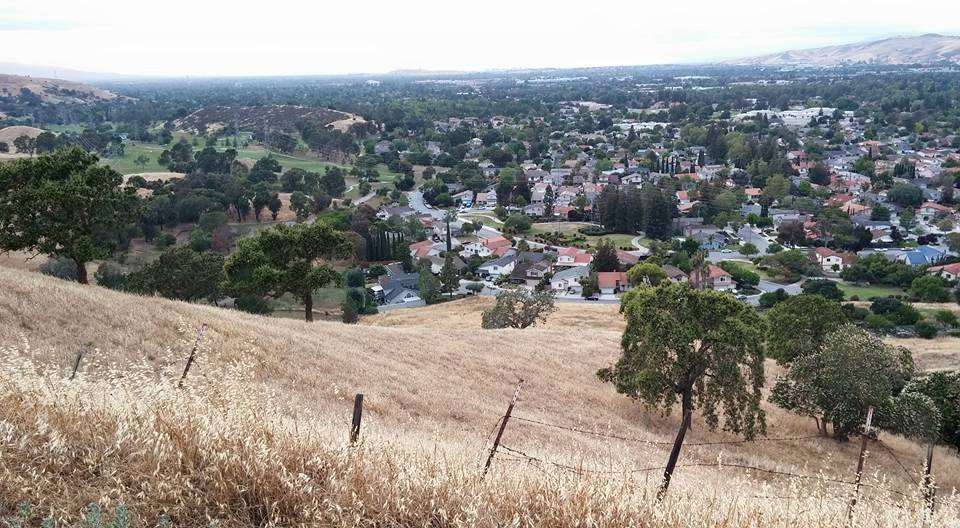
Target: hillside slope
[[52, 91], [924, 49], [260, 429]]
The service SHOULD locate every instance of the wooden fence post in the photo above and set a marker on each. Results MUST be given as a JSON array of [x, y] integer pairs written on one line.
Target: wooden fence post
[[929, 489], [503, 425], [357, 417], [863, 454], [76, 362], [193, 355]]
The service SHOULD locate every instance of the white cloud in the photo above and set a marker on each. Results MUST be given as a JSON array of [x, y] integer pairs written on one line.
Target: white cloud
[[197, 37]]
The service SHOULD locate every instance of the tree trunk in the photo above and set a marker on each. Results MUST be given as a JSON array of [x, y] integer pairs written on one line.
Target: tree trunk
[[308, 307], [686, 408], [81, 272]]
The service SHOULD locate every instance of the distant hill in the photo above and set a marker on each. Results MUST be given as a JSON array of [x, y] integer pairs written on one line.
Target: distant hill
[[52, 91], [925, 49], [10, 134], [56, 72]]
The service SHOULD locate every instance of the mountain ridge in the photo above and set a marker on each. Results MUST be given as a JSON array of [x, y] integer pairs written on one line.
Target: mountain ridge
[[930, 48]]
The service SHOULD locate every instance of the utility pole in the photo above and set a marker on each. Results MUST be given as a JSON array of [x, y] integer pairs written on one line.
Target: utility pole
[[864, 437]]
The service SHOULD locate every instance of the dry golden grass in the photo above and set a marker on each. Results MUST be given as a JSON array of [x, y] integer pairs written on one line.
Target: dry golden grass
[[259, 435]]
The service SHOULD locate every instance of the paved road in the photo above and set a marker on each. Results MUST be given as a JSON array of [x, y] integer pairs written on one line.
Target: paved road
[[366, 198], [719, 256], [418, 205], [754, 236], [792, 289]]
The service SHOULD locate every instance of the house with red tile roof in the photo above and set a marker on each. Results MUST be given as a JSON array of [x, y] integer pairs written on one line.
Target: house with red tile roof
[[612, 282], [951, 272], [715, 278]]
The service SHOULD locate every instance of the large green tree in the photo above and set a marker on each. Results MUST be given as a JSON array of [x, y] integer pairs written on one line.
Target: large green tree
[[64, 205], [852, 371], [285, 259], [180, 273], [799, 325], [701, 348]]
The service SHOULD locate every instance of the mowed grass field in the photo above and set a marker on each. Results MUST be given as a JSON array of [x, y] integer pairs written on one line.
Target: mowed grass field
[[572, 229], [260, 430], [868, 292], [132, 150]]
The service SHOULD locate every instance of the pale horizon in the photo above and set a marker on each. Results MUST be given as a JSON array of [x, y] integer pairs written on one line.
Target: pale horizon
[[285, 38]]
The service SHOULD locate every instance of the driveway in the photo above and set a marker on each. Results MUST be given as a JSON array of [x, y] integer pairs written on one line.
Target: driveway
[[754, 236], [418, 205], [792, 289]]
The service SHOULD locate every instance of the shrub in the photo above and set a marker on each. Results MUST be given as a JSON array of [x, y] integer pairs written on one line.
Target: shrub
[[824, 288], [771, 299], [896, 311], [60, 267], [110, 275], [946, 317], [209, 222], [925, 329], [929, 288], [854, 312], [350, 312], [252, 304], [200, 240], [354, 278], [742, 276], [517, 223], [879, 323], [164, 240]]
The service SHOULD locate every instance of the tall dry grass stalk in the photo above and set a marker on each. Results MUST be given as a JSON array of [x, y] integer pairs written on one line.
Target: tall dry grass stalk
[[218, 450]]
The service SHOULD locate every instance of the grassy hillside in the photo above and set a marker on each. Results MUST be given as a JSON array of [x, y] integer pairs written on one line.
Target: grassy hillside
[[259, 433]]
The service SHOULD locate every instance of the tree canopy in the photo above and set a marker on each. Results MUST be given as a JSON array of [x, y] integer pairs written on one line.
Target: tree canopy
[[283, 259], [65, 205], [703, 348]]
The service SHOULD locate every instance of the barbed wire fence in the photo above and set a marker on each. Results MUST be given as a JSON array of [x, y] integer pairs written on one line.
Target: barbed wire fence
[[506, 453], [509, 454]]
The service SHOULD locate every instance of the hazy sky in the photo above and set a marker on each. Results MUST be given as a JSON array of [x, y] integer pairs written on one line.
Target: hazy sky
[[275, 37]]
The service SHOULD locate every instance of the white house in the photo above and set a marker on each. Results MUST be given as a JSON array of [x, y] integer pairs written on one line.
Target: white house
[[950, 272], [829, 260], [498, 268], [569, 279]]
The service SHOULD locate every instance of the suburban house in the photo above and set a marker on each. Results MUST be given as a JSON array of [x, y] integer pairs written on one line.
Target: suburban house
[[569, 256], [674, 273], [951, 272], [922, 256], [397, 288], [715, 278], [424, 249], [568, 280], [831, 261], [487, 200], [436, 263], [500, 267], [930, 210], [529, 272], [627, 259], [475, 248], [612, 282]]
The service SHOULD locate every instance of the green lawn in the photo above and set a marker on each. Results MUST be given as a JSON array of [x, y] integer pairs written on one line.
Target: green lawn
[[866, 292], [132, 150]]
